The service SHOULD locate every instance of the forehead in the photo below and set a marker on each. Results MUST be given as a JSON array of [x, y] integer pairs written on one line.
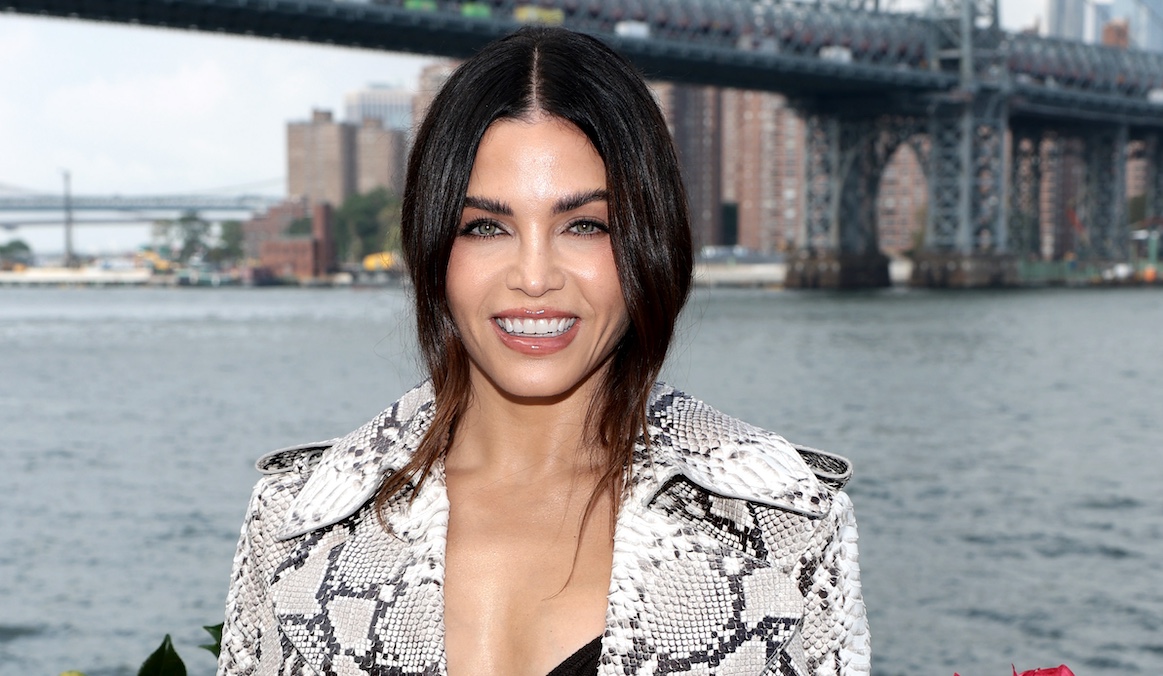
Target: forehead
[[541, 151]]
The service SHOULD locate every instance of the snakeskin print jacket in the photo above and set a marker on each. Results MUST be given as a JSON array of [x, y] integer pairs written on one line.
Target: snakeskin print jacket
[[734, 553]]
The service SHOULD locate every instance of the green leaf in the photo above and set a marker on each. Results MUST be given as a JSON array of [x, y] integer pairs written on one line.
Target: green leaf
[[163, 662], [215, 632]]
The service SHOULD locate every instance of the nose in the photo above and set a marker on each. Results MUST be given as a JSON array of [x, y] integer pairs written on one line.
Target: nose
[[537, 269]]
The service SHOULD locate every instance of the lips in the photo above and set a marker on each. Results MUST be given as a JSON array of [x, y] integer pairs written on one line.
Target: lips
[[536, 332]]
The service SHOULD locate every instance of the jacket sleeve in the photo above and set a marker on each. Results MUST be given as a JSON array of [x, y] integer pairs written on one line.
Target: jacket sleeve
[[835, 629], [249, 614]]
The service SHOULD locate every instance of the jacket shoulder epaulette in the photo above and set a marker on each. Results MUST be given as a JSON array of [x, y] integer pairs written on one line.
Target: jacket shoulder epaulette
[[832, 470], [286, 459]]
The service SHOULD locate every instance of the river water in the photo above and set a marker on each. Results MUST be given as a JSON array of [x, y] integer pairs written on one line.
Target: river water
[[1006, 445]]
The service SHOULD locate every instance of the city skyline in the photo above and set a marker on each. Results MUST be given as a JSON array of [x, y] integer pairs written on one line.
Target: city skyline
[[188, 118]]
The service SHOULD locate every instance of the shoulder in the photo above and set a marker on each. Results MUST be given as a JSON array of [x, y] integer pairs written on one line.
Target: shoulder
[[738, 458], [312, 485], [300, 457]]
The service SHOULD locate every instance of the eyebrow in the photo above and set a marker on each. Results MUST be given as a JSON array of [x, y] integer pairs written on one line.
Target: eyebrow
[[571, 202], [563, 205], [486, 204]]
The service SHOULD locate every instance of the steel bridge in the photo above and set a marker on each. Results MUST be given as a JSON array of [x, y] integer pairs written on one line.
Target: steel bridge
[[988, 112], [129, 203]]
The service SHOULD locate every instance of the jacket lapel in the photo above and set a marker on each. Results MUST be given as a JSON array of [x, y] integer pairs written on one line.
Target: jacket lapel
[[696, 586], [351, 597]]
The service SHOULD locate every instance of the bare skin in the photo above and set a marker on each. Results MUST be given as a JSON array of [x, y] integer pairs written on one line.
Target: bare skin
[[516, 510]]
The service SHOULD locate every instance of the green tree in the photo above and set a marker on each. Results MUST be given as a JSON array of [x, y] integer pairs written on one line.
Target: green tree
[[230, 244], [1137, 210], [16, 252], [17, 249], [366, 224], [187, 235], [299, 226]]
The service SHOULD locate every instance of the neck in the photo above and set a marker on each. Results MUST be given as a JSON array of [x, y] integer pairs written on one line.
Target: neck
[[506, 436]]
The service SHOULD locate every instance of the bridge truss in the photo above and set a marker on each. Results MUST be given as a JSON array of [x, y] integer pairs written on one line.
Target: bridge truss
[[989, 113]]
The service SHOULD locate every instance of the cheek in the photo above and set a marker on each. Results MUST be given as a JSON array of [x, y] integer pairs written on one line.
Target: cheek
[[460, 281]]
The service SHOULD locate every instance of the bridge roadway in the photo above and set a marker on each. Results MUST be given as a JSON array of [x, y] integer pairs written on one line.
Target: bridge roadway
[[129, 203], [984, 110], [821, 50]]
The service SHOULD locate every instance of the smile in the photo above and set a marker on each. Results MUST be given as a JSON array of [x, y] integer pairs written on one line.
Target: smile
[[535, 328]]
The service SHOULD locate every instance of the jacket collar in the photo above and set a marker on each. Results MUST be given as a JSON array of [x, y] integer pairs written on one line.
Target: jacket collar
[[736, 461]]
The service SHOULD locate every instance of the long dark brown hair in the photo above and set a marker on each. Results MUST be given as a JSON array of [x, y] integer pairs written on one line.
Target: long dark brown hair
[[576, 78]]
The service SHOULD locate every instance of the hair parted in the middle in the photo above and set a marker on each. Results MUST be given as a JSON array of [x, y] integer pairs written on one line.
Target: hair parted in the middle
[[576, 78]]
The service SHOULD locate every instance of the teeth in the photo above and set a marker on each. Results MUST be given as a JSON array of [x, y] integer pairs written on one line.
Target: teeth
[[547, 328]]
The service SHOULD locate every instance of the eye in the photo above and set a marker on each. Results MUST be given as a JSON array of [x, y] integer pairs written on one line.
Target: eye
[[587, 228], [481, 227]]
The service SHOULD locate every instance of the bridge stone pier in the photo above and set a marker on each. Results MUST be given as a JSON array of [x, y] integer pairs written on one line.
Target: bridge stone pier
[[1024, 140]]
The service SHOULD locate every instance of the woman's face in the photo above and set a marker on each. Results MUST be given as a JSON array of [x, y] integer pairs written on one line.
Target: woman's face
[[532, 282]]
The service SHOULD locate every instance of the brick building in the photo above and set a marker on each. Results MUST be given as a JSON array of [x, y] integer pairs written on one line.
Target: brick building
[[763, 169], [902, 202], [321, 159], [432, 78], [271, 225], [379, 157], [693, 119], [301, 257]]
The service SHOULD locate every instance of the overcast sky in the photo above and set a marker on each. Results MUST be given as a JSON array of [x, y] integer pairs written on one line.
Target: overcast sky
[[135, 110]]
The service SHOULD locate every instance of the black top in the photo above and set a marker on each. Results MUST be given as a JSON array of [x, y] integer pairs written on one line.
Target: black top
[[582, 663]]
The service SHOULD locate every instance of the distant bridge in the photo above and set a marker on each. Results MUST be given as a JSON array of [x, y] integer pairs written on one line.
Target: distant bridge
[[130, 203], [988, 112]]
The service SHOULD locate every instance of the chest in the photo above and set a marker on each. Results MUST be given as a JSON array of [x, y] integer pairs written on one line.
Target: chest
[[526, 582], [672, 600]]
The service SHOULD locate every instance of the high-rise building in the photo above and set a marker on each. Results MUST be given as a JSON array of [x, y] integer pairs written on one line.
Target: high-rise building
[[902, 201], [379, 157], [763, 166], [693, 118], [432, 78], [329, 161], [1066, 19], [321, 159], [1117, 33], [392, 106], [1098, 15], [1144, 21]]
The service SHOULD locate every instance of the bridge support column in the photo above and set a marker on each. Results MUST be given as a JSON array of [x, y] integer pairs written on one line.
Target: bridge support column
[[1025, 218], [835, 270], [1153, 153], [967, 188], [1103, 197], [844, 161], [941, 270], [966, 237]]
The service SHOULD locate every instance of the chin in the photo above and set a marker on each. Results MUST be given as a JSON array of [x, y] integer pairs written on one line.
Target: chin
[[540, 387]]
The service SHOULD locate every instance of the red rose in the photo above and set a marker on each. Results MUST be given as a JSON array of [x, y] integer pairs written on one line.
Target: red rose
[[1060, 670]]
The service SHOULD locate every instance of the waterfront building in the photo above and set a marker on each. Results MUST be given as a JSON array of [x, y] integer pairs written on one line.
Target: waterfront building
[[380, 156], [270, 225], [432, 78], [301, 257], [392, 106], [1117, 33], [902, 202], [763, 168], [693, 118], [1144, 21], [321, 159], [1066, 19]]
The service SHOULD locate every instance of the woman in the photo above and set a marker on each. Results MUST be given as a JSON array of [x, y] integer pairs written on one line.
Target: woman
[[541, 505]]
